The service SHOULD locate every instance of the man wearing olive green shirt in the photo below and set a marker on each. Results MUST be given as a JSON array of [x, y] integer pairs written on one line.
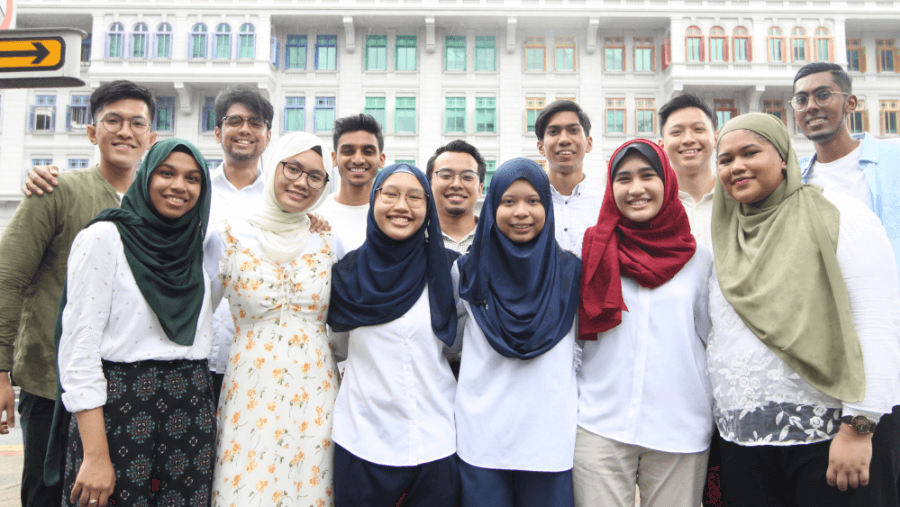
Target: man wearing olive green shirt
[[34, 251]]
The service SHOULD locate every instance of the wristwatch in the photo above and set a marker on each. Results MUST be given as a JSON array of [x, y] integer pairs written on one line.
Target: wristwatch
[[860, 423]]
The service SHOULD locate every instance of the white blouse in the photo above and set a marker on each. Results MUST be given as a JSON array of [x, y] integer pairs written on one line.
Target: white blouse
[[514, 414], [760, 400], [107, 318], [644, 381], [395, 404]]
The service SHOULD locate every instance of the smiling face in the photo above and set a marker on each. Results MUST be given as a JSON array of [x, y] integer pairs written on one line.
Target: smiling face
[[123, 149], [242, 144], [458, 195], [821, 123], [688, 138], [296, 195], [638, 190], [749, 166], [565, 143], [358, 158], [521, 216], [400, 220], [175, 185]]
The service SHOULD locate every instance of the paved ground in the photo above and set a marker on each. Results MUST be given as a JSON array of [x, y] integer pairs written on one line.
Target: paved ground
[[11, 458]]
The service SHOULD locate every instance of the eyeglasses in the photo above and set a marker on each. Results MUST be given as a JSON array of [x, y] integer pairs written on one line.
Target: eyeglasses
[[447, 175], [256, 123], [113, 123], [315, 179], [822, 97], [414, 198]]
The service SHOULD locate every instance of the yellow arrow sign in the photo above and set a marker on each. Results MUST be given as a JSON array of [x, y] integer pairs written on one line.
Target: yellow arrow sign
[[30, 54]]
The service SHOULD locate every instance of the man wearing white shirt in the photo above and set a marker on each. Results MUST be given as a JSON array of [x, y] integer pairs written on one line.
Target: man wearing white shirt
[[456, 172]]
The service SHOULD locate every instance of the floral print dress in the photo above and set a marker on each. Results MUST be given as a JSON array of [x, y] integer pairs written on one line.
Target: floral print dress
[[275, 414]]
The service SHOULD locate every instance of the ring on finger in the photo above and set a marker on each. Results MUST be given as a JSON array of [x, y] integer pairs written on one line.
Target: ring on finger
[[93, 502]]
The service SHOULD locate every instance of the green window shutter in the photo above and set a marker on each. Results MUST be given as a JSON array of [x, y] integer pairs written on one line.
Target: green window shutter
[[376, 52], [455, 52], [489, 173], [405, 115], [485, 114], [375, 106], [455, 114], [405, 54], [485, 53]]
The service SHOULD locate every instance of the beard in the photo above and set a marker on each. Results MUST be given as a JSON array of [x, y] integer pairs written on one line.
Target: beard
[[824, 137]]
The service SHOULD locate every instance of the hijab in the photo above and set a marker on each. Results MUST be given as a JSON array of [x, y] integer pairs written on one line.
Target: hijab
[[523, 295], [650, 253], [284, 234], [381, 280], [777, 266]]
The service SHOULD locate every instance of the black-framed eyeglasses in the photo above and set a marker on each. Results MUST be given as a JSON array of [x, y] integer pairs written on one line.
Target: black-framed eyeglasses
[[314, 178], [113, 123], [822, 97], [447, 175], [390, 196], [235, 121]]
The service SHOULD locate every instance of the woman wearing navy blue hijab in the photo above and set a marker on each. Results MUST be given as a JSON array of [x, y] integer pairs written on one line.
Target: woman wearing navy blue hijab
[[393, 418], [516, 401]]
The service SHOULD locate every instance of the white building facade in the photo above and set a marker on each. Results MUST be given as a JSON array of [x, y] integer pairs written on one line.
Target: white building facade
[[436, 70]]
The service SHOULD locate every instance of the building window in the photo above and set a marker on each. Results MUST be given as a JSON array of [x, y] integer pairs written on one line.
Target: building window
[[798, 45], [718, 44], [247, 41], [533, 108], [295, 52], [405, 115], [405, 57], [742, 45], [198, 41], [208, 115], [326, 56], [222, 48], [79, 114], [485, 114], [163, 41], [213, 163], [165, 114], [485, 53], [375, 107], [614, 52], [644, 54], [294, 114], [565, 53], [86, 49], [490, 169], [455, 52], [41, 161], [725, 110], [42, 116], [114, 38], [645, 115], [887, 55], [535, 53], [376, 52], [855, 57], [776, 44], [858, 120], [407, 161], [694, 49], [78, 163], [824, 45], [666, 56], [615, 116], [455, 114], [324, 113], [890, 109], [775, 107], [139, 41]]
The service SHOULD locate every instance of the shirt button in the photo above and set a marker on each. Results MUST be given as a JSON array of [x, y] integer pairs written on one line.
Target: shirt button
[[566, 229]]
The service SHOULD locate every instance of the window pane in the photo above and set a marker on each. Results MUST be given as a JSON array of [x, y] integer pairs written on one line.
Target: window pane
[[485, 53]]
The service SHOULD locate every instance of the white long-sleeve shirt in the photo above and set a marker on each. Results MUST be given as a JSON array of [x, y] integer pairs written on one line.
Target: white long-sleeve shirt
[[644, 381], [107, 318]]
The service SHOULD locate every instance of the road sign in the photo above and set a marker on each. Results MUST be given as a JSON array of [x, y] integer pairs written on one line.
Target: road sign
[[40, 58]]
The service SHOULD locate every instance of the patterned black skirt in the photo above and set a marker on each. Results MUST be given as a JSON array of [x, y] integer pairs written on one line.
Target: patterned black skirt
[[161, 431]]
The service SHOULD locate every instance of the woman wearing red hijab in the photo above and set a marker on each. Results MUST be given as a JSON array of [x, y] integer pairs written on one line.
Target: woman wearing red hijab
[[644, 401]]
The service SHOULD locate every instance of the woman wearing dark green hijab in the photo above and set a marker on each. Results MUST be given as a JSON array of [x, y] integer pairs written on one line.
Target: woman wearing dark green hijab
[[804, 354], [134, 334]]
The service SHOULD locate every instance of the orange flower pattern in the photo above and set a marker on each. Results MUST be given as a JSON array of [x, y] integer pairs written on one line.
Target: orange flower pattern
[[280, 384]]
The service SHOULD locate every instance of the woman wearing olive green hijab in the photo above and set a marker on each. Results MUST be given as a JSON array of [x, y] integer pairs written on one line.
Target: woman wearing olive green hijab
[[806, 325]]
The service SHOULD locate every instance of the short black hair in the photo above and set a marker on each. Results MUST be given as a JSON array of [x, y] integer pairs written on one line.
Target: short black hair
[[247, 97], [559, 106], [355, 123], [683, 102], [840, 76], [120, 90], [458, 146]]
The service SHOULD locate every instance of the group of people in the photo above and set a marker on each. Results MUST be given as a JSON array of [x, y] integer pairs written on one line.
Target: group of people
[[679, 328]]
